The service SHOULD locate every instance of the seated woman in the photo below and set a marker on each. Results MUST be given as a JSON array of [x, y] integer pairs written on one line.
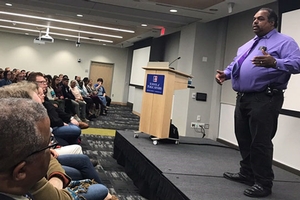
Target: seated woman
[[101, 93], [50, 94], [58, 89]]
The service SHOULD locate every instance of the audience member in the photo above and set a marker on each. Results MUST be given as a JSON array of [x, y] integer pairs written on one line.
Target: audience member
[[60, 76], [101, 93], [92, 93], [24, 151], [69, 95], [56, 176], [39, 79], [78, 101], [51, 95], [64, 127], [77, 79], [6, 78], [89, 101], [1, 73], [19, 77]]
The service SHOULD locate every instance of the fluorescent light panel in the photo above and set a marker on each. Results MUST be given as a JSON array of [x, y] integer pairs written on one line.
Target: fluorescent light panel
[[67, 22], [52, 33], [59, 28]]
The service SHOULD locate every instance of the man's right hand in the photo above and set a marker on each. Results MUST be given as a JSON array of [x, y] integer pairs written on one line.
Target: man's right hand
[[220, 77]]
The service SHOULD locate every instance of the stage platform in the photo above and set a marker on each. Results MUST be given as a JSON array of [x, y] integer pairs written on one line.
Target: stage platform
[[191, 170]]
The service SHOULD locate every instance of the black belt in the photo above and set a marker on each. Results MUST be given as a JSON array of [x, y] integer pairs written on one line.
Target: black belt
[[268, 91]]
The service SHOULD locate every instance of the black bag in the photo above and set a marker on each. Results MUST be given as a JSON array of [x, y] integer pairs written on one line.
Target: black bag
[[173, 133]]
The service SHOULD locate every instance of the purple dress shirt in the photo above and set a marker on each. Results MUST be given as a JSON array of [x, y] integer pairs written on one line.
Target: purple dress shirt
[[252, 78]]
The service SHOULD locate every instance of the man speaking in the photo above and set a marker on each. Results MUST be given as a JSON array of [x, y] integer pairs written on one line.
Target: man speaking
[[259, 74]]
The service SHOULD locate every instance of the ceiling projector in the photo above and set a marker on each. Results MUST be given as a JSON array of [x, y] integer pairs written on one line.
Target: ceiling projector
[[38, 41], [42, 39], [47, 38]]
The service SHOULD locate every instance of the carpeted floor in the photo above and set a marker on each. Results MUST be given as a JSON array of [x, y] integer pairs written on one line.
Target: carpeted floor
[[112, 174], [97, 143], [118, 118]]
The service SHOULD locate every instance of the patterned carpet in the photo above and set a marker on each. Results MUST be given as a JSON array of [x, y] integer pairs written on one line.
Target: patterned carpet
[[118, 118], [112, 174], [100, 147]]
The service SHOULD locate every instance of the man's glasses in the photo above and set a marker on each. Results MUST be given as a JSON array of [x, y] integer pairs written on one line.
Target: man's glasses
[[53, 145], [41, 82]]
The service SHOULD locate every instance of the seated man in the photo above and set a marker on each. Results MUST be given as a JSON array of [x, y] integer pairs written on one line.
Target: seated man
[[24, 149], [51, 187]]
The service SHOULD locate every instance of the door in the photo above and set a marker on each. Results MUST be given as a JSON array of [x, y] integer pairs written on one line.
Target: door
[[105, 71]]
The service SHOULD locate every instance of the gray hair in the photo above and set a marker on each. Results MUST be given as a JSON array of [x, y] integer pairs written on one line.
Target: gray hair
[[19, 136], [22, 89]]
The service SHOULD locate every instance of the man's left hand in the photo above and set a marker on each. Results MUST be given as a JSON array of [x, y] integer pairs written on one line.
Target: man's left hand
[[264, 61]]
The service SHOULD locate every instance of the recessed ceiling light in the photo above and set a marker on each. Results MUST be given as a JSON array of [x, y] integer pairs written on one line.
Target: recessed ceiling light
[[66, 39], [104, 44], [79, 15], [8, 4], [173, 10], [144, 25], [26, 33]]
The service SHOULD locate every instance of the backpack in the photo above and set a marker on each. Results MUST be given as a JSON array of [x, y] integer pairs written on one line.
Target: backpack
[[173, 133]]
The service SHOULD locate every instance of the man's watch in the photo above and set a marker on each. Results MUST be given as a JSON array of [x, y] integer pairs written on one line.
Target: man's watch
[[72, 118]]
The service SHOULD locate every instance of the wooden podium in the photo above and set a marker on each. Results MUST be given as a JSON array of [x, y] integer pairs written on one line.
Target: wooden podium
[[159, 86]]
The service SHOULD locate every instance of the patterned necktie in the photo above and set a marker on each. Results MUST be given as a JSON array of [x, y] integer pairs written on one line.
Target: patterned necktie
[[237, 67]]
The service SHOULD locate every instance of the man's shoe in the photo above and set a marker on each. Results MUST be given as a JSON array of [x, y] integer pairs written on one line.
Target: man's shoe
[[257, 191], [83, 125], [238, 177]]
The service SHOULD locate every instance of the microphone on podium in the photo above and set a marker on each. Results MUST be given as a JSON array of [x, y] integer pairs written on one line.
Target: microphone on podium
[[173, 62]]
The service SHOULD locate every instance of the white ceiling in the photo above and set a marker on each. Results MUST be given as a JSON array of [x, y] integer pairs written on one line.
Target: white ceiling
[[118, 14]]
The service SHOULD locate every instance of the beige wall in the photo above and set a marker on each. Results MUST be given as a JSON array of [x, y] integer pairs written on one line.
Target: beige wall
[[18, 51]]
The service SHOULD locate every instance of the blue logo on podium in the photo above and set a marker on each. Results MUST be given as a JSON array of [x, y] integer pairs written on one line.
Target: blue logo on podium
[[155, 83]]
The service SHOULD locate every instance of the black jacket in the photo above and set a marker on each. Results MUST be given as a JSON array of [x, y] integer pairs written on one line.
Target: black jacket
[[57, 116], [67, 92]]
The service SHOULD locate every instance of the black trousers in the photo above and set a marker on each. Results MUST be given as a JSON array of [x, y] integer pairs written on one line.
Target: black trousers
[[256, 118], [108, 100]]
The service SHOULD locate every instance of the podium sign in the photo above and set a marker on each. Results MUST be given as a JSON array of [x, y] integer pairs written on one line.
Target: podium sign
[[159, 86], [155, 83]]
